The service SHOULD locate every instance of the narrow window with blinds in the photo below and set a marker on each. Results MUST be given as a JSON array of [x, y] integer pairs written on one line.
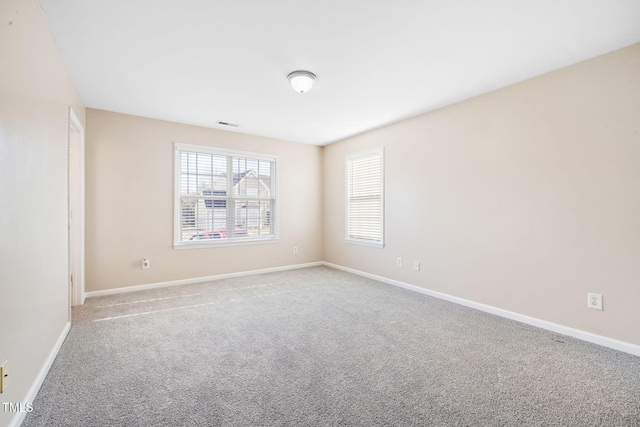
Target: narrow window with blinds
[[365, 198], [223, 196]]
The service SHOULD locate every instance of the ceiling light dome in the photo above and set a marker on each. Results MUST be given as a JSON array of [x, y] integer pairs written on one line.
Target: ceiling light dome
[[301, 81]]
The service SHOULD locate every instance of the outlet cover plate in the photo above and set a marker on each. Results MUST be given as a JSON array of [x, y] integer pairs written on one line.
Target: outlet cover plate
[[594, 301], [4, 376]]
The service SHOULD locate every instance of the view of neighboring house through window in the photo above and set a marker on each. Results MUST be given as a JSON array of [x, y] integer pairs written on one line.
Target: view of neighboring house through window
[[365, 197], [223, 196]]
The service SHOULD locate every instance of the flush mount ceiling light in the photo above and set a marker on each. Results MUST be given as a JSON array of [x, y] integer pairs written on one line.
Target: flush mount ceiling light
[[301, 81]]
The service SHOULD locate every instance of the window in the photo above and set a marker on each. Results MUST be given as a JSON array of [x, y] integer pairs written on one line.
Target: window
[[223, 196], [365, 198]]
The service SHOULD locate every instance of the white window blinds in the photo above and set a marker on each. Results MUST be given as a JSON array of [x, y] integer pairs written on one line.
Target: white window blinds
[[223, 196], [365, 197]]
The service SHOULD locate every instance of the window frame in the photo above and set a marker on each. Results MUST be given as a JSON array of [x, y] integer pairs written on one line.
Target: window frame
[[209, 243], [348, 158]]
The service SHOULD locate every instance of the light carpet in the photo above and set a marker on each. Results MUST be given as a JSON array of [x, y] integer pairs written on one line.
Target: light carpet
[[321, 347]]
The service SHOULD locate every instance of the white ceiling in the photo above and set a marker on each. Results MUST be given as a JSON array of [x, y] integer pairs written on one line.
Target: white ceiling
[[377, 61]]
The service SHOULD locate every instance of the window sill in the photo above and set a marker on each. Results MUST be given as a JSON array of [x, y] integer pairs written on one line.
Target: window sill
[[361, 242], [222, 243]]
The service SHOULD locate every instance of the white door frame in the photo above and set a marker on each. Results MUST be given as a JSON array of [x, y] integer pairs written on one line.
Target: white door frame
[[76, 211]]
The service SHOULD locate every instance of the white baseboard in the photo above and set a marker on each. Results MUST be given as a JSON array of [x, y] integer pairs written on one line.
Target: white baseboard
[[35, 387], [543, 324], [136, 288]]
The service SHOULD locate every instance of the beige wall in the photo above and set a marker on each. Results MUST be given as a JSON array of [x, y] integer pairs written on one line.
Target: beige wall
[[525, 198], [129, 203], [35, 93]]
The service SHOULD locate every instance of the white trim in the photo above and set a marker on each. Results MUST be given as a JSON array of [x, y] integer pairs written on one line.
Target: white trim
[[543, 324], [176, 194], [179, 147], [349, 158], [363, 242], [224, 151], [199, 244], [78, 165], [136, 288], [37, 383], [365, 153]]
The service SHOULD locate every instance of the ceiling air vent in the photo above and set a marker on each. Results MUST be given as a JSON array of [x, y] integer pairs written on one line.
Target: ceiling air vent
[[233, 125]]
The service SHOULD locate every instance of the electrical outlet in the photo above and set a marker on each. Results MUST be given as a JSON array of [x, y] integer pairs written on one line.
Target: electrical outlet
[[4, 376], [295, 249], [416, 265], [146, 264], [399, 262], [594, 301]]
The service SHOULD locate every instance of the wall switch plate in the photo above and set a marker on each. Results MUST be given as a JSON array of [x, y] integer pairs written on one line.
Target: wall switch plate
[[594, 301], [416, 265], [4, 376], [146, 264], [399, 262]]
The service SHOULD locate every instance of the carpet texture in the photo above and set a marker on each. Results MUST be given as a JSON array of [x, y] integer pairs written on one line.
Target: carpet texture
[[321, 347]]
